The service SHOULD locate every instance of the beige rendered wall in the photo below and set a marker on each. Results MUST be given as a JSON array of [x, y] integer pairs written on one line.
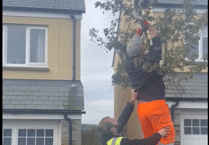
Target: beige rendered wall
[[60, 49], [121, 97]]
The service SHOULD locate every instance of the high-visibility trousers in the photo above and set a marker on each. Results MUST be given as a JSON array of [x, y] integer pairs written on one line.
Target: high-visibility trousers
[[153, 116]]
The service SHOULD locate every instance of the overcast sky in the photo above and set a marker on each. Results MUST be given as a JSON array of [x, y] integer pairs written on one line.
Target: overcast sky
[[96, 70]]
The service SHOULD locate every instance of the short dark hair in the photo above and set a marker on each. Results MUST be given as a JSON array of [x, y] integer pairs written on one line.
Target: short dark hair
[[104, 126]]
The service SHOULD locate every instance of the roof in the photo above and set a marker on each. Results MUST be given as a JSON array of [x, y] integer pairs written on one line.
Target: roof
[[196, 2], [193, 88], [42, 95], [67, 5]]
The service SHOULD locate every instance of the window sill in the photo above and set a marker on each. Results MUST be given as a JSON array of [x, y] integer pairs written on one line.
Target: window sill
[[14, 68]]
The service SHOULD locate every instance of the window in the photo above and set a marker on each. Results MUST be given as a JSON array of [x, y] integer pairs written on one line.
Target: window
[[35, 136], [6, 136], [201, 49], [195, 126], [39, 135], [24, 45]]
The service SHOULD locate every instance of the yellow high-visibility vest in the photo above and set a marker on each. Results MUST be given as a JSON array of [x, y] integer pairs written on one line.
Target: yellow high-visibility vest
[[115, 141]]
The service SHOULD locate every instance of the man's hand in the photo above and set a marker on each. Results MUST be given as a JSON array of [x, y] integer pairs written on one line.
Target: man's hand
[[134, 96], [164, 131]]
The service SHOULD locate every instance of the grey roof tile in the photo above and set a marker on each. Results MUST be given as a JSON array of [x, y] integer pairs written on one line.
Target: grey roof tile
[[31, 107], [52, 107], [197, 2], [36, 94], [26, 102], [18, 93], [43, 98], [33, 98], [63, 98], [20, 106], [35, 88], [25, 88], [47, 102], [6, 88], [42, 107], [54, 98], [55, 4], [14, 88], [58, 102], [15, 102], [9, 106], [37, 102], [6, 102]]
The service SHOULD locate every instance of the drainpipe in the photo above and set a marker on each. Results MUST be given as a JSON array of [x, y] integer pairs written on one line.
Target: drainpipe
[[172, 109], [70, 128], [74, 44]]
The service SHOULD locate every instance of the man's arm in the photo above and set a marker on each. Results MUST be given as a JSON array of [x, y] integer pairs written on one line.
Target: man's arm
[[127, 111], [152, 140], [155, 51]]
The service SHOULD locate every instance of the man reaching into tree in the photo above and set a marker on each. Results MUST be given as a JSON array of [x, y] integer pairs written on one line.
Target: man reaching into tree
[[153, 112], [111, 128]]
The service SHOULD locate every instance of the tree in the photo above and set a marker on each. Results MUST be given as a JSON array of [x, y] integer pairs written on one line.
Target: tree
[[179, 31]]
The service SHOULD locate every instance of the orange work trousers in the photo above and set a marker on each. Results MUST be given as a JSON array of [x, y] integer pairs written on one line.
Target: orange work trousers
[[153, 116]]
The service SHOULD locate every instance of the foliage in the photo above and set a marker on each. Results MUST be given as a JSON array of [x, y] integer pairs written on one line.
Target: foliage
[[179, 30]]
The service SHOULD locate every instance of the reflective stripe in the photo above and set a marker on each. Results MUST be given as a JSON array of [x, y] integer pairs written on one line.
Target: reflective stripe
[[115, 141]]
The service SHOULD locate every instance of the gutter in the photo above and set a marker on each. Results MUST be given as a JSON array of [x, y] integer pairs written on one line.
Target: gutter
[[74, 44], [172, 109], [177, 100], [70, 128]]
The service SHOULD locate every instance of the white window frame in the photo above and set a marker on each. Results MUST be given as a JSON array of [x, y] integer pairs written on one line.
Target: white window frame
[[200, 45], [27, 54], [16, 127], [196, 116]]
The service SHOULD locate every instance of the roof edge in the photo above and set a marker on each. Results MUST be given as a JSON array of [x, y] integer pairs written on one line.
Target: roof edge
[[58, 11], [185, 99], [35, 111]]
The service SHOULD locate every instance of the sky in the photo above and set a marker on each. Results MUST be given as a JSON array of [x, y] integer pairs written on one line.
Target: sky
[[96, 70]]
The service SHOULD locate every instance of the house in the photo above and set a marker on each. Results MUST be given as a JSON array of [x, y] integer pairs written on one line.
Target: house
[[43, 99], [187, 99]]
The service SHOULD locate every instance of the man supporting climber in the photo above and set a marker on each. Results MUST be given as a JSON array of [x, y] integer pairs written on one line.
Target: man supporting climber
[[153, 112], [111, 128]]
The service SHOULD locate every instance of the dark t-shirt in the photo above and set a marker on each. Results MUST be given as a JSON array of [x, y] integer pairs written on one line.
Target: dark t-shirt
[[149, 85]]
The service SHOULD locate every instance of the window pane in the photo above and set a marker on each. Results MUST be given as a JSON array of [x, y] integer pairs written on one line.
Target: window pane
[[194, 51], [31, 132], [204, 130], [195, 122], [187, 130], [7, 132], [16, 45], [31, 141], [204, 122], [196, 130], [40, 132], [49, 141], [22, 132], [21, 141], [187, 122], [37, 46], [40, 141], [205, 46], [49, 132], [7, 141]]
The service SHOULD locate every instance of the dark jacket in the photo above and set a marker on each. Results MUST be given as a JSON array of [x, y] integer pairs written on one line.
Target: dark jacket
[[149, 85], [123, 119]]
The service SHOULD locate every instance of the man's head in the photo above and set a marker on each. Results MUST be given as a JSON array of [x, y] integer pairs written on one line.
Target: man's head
[[108, 126]]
